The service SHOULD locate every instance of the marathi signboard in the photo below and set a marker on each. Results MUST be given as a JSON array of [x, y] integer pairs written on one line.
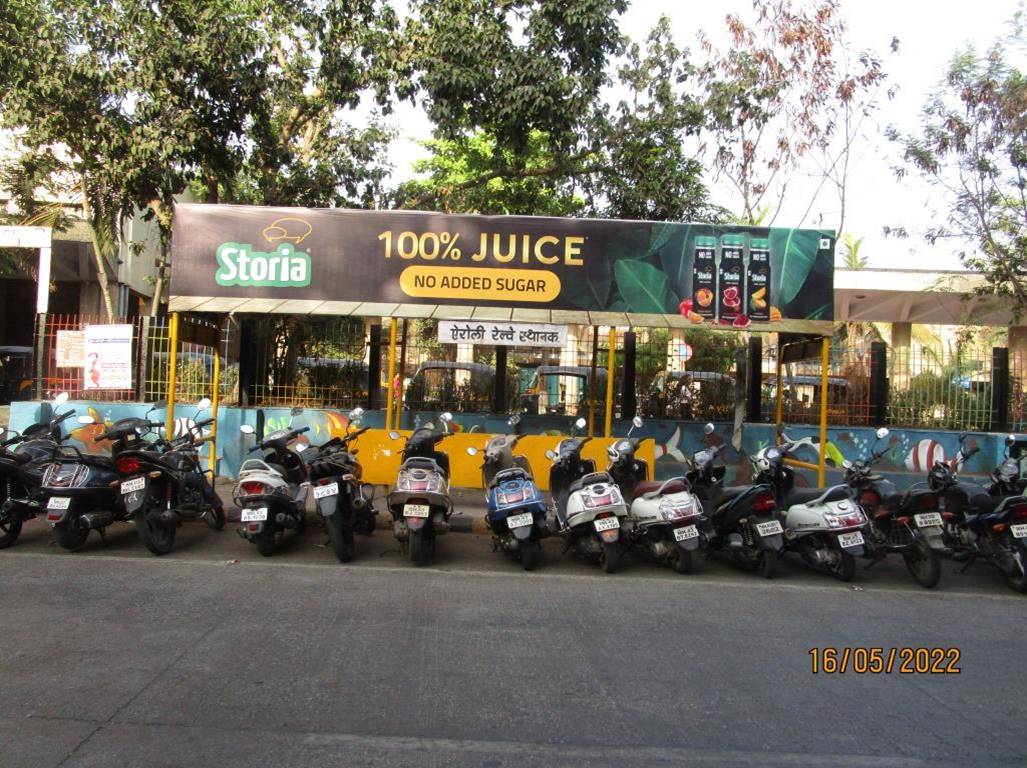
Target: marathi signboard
[[107, 357], [250, 258], [69, 350], [502, 334]]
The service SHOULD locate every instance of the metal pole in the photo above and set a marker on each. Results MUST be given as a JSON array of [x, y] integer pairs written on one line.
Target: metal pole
[[392, 373], [214, 400], [172, 365], [402, 372], [779, 406], [41, 360], [592, 382], [608, 422], [825, 369]]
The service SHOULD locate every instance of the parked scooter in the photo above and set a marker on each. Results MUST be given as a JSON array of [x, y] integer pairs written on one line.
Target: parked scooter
[[823, 525], [907, 523], [668, 519], [746, 524], [344, 503], [516, 510], [271, 492], [419, 502], [981, 523], [162, 482], [23, 458], [590, 509]]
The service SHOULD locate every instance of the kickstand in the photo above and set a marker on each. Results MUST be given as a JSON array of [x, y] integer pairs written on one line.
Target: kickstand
[[103, 536], [873, 562], [969, 562]]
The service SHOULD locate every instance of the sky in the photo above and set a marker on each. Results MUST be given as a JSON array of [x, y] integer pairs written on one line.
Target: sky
[[928, 32]]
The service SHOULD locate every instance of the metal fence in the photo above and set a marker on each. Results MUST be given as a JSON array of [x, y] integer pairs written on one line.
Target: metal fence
[[943, 389]]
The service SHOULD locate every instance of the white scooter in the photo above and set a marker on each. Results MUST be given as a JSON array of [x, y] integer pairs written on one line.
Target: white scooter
[[823, 525], [589, 506]]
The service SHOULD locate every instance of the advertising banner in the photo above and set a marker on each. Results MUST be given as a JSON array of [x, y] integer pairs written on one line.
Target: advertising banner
[[107, 361], [698, 273], [502, 334], [69, 349]]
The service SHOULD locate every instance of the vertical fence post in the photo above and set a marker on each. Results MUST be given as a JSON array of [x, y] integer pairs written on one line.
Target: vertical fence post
[[754, 381], [247, 362], [172, 366], [999, 390], [825, 369], [40, 354], [499, 393], [608, 421], [593, 385], [628, 406], [392, 373], [400, 394], [215, 399], [878, 383], [779, 396], [374, 367]]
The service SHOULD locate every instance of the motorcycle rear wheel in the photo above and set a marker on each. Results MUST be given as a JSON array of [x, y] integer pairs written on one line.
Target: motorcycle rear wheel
[[530, 554], [683, 561], [340, 534], [609, 556], [418, 548], [766, 563], [10, 528], [923, 563], [70, 534]]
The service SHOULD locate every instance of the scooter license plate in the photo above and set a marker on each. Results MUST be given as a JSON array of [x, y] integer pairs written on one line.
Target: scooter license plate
[[854, 539], [58, 502], [135, 484], [416, 510], [519, 521], [1018, 531], [928, 520], [773, 528], [686, 532], [254, 514], [607, 523], [320, 491]]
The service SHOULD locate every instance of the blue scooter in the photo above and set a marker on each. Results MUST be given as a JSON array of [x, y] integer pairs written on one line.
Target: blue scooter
[[516, 510]]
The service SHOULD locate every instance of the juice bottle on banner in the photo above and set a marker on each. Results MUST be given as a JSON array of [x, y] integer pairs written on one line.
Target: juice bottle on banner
[[704, 277], [729, 278], [757, 280]]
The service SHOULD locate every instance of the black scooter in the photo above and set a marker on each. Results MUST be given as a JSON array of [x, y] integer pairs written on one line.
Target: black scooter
[[23, 459]]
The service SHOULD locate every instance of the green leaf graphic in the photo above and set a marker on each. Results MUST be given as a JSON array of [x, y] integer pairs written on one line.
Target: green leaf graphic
[[677, 261], [644, 287], [798, 249]]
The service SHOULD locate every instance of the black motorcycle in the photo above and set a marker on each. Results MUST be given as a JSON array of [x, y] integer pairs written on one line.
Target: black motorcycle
[[747, 526], [23, 459], [343, 501], [980, 522], [162, 483], [904, 522]]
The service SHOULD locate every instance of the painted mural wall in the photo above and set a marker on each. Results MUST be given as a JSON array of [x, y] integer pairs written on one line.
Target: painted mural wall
[[909, 451]]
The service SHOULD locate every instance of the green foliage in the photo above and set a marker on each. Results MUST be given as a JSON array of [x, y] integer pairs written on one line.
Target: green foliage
[[972, 148]]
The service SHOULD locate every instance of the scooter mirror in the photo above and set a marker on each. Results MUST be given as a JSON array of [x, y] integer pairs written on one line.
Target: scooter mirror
[[882, 433], [394, 435], [708, 429], [963, 436], [296, 411], [514, 420], [637, 422], [61, 399], [247, 429], [1010, 440], [355, 414], [203, 405], [85, 420], [301, 447], [158, 404], [475, 428], [472, 451], [846, 464], [580, 423], [550, 454], [447, 416]]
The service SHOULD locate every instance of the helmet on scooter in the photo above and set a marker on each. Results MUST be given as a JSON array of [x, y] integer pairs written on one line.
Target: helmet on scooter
[[939, 476], [764, 460]]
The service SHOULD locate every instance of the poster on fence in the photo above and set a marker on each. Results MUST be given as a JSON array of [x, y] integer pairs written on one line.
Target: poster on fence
[[107, 357], [69, 349], [503, 334]]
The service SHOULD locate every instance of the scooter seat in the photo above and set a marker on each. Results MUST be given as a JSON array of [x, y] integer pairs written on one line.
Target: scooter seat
[[982, 504], [806, 495], [590, 479], [652, 486], [724, 495]]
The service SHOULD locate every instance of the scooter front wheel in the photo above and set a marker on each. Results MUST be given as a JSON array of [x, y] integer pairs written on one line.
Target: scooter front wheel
[[1018, 579], [157, 537], [923, 563], [10, 528], [609, 557], [216, 518]]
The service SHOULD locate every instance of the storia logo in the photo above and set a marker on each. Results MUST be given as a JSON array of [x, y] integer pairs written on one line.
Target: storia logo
[[285, 267]]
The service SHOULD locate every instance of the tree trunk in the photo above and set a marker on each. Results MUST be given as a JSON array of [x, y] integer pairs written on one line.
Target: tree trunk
[[101, 262]]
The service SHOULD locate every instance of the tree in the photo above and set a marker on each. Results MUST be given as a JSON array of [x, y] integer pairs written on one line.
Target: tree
[[971, 147], [777, 93]]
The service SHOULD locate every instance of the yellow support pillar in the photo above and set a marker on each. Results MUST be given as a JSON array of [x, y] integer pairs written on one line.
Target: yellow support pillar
[[215, 398], [392, 373], [609, 382], [172, 366], [825, 369]]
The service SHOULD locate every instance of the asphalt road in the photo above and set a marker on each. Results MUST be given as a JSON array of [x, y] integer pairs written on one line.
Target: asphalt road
[[216, 656]]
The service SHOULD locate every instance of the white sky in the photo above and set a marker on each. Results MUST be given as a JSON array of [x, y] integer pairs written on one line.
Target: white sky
[[929, 33]]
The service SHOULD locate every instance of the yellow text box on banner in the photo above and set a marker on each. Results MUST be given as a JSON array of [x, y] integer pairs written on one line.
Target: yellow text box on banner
[[380, 455]]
